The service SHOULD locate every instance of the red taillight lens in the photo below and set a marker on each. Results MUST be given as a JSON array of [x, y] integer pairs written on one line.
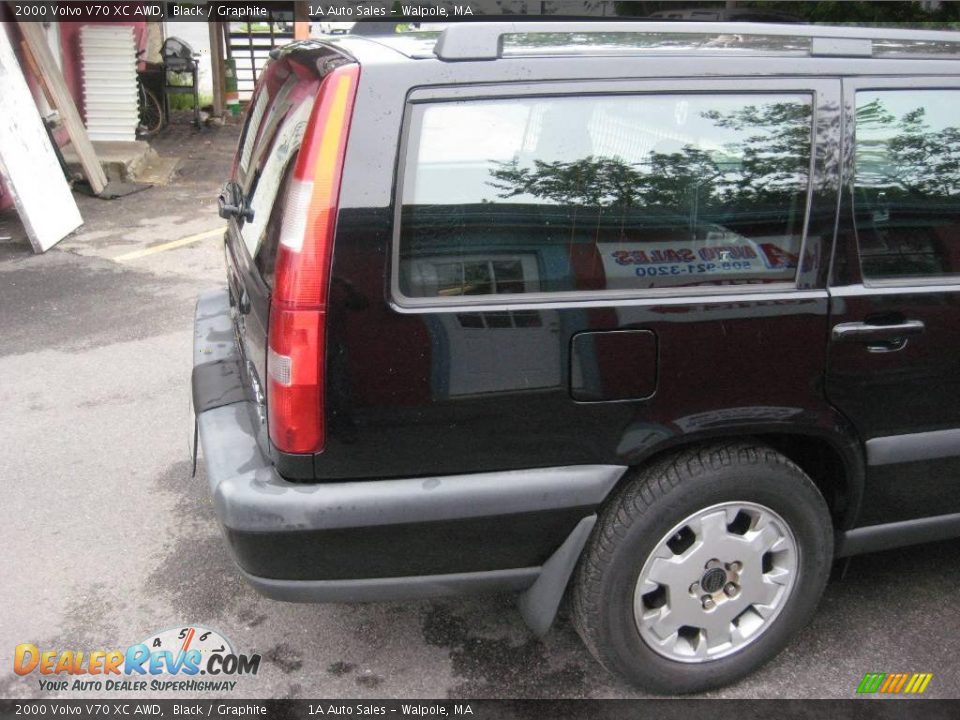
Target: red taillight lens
[[295, 356], [295, 385]]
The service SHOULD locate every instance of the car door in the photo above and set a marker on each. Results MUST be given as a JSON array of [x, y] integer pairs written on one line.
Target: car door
[[894, 357]]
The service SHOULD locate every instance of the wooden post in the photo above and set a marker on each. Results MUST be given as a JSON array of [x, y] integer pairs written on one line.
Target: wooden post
[[35, 71], [216, 65], [225, 29], [53, 79], [301, 21]]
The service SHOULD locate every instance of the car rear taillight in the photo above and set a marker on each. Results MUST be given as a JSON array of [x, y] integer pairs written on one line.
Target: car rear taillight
[[297, 335]]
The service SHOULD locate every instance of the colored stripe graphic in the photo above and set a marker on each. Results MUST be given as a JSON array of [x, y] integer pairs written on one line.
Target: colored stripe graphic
[[899, 686], [894, 683], [871, 682], [918, 683]]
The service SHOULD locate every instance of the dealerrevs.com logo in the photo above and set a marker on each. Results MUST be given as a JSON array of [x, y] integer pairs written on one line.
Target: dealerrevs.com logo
[[169, 660]]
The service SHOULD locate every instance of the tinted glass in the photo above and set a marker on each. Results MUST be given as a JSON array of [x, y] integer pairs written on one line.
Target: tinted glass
[[559, 194], [273, 156], [266, 257], [251, 128], [907, 186]]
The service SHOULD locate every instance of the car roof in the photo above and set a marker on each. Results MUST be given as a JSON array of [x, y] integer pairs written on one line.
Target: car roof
[[493, 40]]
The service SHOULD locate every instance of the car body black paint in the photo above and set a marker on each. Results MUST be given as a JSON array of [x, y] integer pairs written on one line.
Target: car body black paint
[[729, 362]]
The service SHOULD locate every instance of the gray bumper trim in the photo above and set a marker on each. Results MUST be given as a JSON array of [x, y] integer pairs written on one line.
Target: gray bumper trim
[[213, 336], [913, 447], [250, 496], [402, 588], [874, 538]]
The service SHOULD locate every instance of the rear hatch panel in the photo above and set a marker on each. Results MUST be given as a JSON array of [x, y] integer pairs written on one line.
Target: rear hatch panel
[[276, 120]]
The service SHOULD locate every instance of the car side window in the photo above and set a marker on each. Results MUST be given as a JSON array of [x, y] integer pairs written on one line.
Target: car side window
[[907, 184], [625, 192]]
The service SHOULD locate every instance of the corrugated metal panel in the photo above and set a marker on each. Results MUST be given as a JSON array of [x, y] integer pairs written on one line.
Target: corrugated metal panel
[[109, 81]]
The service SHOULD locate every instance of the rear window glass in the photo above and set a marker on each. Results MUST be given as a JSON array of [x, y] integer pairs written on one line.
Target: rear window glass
[[251, 129], [907, 183], [280, 146], [628, 192]]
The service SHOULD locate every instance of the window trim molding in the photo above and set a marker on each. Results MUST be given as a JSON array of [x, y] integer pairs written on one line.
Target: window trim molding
[[597, 299], [865, 290]]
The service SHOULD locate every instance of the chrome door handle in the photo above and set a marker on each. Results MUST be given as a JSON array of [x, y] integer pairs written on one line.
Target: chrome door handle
[[878, 338]]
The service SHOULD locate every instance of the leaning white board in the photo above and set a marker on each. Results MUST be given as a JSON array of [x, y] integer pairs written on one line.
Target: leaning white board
[[28, 164]]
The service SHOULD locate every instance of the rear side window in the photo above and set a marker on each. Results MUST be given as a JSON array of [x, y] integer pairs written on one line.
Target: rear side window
[[628, 192], [907, 184]]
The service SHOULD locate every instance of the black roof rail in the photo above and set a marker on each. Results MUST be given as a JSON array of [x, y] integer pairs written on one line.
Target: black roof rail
[[484, 40]]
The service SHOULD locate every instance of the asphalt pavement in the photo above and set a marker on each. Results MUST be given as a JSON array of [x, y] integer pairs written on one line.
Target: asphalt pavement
[[107, 538]]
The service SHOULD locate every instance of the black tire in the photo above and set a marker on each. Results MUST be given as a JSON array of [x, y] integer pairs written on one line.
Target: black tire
[[151, 113], [640, 515]]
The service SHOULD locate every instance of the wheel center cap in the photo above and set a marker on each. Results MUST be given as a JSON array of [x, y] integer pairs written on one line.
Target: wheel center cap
[[713, 580]]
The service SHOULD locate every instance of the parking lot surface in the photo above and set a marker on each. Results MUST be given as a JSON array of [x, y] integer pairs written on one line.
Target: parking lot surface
[[107, 538]]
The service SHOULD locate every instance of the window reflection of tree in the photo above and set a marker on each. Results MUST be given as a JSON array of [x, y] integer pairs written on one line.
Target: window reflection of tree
[[767, 165], [907, 190], [746, 180], [906, 156], [765, 170]]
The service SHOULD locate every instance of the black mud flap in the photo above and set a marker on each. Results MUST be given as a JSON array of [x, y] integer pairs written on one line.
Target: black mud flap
[[216, 384]]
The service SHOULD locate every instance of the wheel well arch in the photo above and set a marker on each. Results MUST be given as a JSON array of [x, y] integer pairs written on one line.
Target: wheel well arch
[[835, 467], [826, 467]]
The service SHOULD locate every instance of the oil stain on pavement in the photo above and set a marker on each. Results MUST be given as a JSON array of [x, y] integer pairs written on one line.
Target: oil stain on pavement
[[498, 667]]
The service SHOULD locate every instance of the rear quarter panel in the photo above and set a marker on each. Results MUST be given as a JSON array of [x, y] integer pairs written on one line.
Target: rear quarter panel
[[736, 364]]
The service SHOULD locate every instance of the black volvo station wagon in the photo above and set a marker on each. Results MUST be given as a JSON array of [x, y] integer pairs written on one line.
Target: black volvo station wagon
[[663, 318]]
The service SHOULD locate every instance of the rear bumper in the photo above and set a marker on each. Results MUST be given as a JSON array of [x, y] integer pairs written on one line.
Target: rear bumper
[[376, 539]]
